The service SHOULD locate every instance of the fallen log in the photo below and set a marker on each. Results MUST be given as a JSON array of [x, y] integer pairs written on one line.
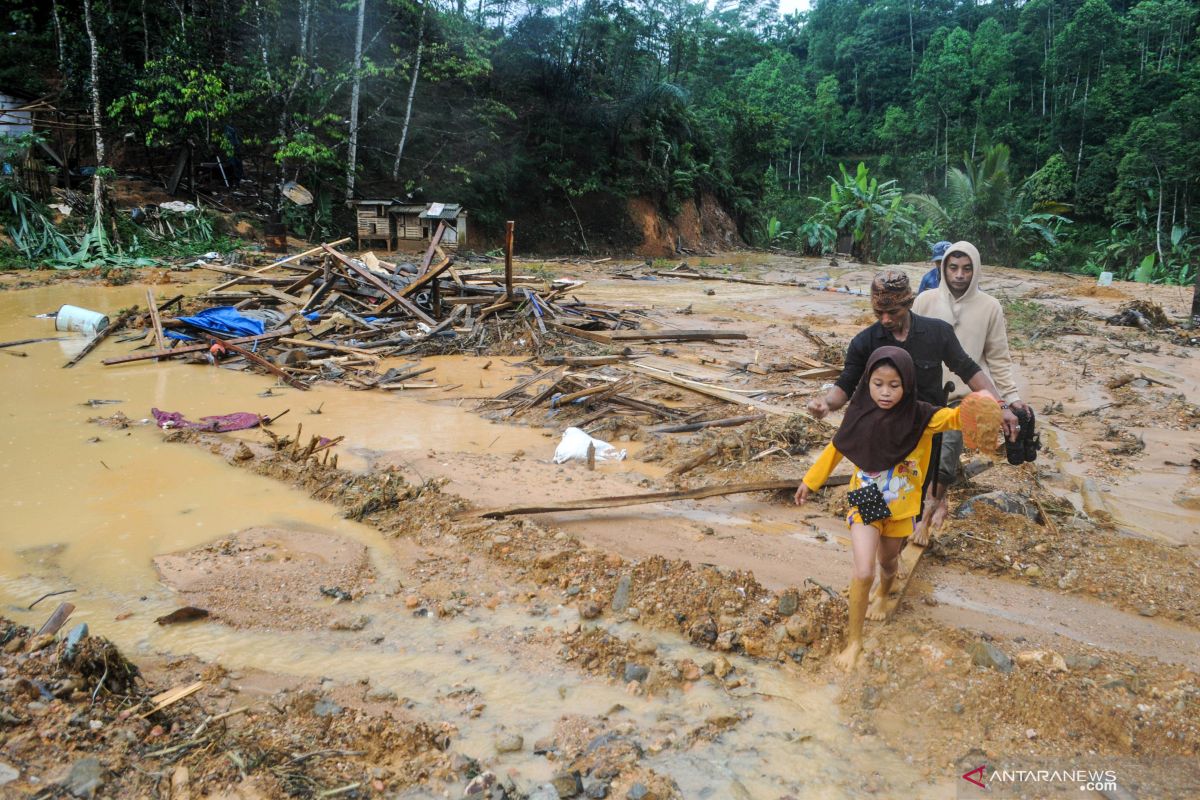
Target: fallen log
[[642, 499], [727, 395], [16, 342]]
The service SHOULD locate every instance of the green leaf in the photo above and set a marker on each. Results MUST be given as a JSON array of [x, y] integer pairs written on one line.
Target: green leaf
[[1145, 270]]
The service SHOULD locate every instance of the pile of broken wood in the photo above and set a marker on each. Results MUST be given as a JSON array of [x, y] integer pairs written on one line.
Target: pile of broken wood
[[337, 316]]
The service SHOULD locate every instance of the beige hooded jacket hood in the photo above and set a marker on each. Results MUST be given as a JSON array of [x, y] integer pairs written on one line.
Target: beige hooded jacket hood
[[978, 322]]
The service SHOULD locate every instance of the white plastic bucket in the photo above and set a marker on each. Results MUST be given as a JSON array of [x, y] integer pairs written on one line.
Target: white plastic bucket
[[1105, 279], [79, 320]]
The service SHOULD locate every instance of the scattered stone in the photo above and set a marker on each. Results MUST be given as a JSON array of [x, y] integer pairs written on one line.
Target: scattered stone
[[543, 746], [703, 632], [689, 670], [595, 790], [636, 672], [572, 591], [727, 641], [480, 785], [412, 601], [544, 792], [1048, 659], [567, 784], [800, 629], [1007, 502], [958, 708], [1148, 610], [789, 601], [620, 600], [381, 694], [644, 647], [1033, 571], [350, 624], [637, 792], [8, 774], [85, 777], [589, 609], [721, 666], [510, 743], [986, 654], [326, 708], [1030, 733], [1082, 663], [632, 612]]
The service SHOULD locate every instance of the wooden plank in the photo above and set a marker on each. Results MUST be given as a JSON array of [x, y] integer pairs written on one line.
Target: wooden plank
[[728, 422], [713, 391], [508, 258], [56, 620], [434, 241], [159, 340], [16, 342], [675, 336], [255, 358], [636, 499], [910, 557], [425, 278], [101, 336], [554, 374], [172, 696], [278, 295], [326, 346], [371, 278], [591, 336], [196, 348]]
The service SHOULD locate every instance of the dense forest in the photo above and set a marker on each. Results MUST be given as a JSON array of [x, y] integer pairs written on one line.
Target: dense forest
[[1059, 134]]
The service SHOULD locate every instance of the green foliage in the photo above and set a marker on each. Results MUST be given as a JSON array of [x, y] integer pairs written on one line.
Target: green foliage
[[875, 214], [28, 224], [173, 100]]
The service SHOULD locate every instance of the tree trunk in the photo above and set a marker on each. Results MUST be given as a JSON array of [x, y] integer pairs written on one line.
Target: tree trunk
[[58, 38], [412, 93], [145, 35], [356, 86], [97, 179]]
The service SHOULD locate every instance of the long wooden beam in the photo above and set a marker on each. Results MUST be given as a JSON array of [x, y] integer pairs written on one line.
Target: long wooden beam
[[642, 499], [370, 278], [196, 348], [255, 358]]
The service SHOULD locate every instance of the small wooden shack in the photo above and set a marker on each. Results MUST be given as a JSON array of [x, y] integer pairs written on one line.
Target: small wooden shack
[[376, 223], [455, 217]]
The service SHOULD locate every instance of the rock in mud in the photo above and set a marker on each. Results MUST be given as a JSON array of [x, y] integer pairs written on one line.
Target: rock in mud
[[636, 672], [350, 623], [480, 785], [788, 603], [544, 792], [595, 790], [8, 774], [1082, 663], [510, 743], [721, 666], [689, 670], [801, 629], [1007, 502], [703, 632], [381, 694], [620, 600], [638, 792], [326, 708], [567, 784], [986, 654], [589, 609], [85, 778]]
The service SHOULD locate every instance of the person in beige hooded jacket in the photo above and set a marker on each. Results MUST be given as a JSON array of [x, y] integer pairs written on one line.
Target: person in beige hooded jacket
[[978, 322]]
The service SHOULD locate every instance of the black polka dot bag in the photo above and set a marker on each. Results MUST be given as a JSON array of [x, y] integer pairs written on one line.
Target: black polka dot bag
[[870, 503]]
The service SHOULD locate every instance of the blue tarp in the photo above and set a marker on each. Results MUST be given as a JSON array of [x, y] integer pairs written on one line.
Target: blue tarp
[[223, 320]]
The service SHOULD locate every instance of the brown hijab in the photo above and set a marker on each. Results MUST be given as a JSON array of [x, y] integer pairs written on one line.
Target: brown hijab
[[875, 439]]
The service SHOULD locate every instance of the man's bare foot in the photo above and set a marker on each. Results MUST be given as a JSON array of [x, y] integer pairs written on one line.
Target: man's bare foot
[[848, 658]]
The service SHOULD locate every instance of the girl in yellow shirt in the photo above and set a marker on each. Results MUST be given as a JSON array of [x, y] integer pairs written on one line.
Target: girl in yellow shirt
[[887, 435]]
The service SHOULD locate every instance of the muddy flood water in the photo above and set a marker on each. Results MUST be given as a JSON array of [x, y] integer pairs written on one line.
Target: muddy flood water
[[89, 508]]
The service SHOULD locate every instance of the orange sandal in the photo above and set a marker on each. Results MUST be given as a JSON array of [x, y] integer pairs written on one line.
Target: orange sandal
[[980, 416]]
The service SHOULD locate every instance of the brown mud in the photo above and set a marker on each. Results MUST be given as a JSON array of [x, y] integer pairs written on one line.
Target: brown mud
[[680, 646]]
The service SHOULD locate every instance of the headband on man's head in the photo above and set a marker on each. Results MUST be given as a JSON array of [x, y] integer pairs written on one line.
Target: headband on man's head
[[892, 288]]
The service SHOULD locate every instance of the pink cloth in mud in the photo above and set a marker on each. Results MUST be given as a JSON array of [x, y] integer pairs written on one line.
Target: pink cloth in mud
[[238, 421]]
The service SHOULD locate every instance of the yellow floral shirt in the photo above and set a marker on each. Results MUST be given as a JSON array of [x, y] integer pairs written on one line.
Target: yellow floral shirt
[[901, 484]]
